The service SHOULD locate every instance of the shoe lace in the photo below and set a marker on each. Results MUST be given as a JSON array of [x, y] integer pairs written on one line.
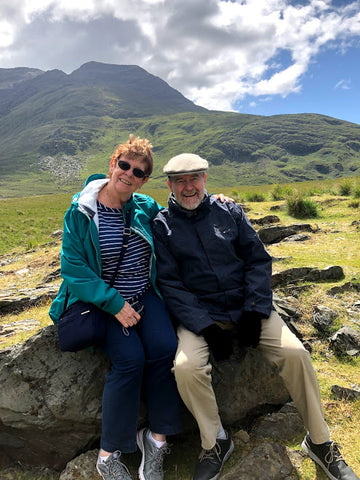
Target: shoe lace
[[333, 454], [210, 454], [157, 458], [118, 469]]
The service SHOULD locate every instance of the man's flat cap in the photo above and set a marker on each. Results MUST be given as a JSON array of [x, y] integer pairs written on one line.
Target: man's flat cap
[[185, 163]]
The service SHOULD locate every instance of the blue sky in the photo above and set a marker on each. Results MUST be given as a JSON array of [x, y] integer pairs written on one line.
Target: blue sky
[[331, 86], [263, 57]]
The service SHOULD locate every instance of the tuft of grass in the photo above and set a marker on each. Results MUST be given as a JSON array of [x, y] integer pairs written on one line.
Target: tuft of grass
[[356, 191], [280, 192], [300, 207], [345, 188], [255, 197]]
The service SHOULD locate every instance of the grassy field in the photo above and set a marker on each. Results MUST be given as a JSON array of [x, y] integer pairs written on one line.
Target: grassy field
[[29, 221], [28, 253]]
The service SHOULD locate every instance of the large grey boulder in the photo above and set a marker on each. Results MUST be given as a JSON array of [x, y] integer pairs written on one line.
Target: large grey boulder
[[50, 401], [244, 383]]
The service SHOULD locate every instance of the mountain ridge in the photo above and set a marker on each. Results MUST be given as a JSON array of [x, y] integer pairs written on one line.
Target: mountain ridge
[[52, 122]]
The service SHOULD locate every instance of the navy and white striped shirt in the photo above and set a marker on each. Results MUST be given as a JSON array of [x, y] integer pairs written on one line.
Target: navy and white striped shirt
[[133, 275]]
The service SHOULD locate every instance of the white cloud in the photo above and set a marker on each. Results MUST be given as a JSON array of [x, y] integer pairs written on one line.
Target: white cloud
[[6, 34], [214, 51], [343, 84], [281, 83]]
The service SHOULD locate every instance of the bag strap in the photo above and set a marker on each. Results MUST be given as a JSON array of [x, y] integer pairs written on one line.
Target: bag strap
[[126, 236]]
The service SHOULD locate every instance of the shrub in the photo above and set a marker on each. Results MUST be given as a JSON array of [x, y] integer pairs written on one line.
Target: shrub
[[312, 192], [255, 197], [345, 188], [299, 207], [356, 191], [279, 192]]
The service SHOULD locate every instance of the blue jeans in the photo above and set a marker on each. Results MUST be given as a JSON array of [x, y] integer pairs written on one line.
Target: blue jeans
[[141, 359]]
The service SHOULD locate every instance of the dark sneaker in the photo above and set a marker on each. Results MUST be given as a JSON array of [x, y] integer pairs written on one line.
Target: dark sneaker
[[329, 458], [151, 467], [210, 462], [113, 469]]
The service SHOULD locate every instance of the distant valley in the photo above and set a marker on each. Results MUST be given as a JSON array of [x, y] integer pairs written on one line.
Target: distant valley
[[55, 129]]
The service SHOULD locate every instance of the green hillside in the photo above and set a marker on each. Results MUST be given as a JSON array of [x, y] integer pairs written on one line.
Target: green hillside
[[55, 129]]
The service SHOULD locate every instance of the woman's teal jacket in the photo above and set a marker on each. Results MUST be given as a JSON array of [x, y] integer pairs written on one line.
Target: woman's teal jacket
[[81, 265]]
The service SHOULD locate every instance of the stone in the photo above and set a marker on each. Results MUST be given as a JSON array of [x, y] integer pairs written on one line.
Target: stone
[[346, 287], [268, 219], [346, 341], [267, 461], [82, 467], [299, 237], [47, 394], [293, 275], [9, 329], [50, 277], [287, 308], [281, 259], [24, 298], [241, 438], [57, 234], [276, 233], [307, 274], [281, 426], [242, 384], [345, 393], [323, 318], [334, 272]]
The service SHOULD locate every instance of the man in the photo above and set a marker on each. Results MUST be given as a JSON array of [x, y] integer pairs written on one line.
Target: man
[[215, 276]]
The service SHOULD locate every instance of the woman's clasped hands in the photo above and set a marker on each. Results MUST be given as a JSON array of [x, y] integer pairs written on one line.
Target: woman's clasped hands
[[127, 316]]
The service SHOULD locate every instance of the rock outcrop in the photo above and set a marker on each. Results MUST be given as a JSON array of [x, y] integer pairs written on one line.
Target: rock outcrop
[[307, 274], [50, 401], [276, 233]]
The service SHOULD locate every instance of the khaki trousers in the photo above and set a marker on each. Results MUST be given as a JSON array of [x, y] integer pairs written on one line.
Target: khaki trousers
[[279, 345]]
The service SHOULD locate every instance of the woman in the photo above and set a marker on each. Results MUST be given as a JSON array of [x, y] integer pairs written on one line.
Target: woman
[[140, 348]]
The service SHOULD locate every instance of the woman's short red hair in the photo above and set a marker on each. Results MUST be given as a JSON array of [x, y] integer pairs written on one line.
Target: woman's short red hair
[[136, 148]]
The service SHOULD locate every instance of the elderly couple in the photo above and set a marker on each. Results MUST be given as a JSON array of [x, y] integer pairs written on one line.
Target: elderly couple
[[211, 280]]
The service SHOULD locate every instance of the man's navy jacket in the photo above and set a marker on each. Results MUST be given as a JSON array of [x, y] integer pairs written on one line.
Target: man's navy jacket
[[211, 264]]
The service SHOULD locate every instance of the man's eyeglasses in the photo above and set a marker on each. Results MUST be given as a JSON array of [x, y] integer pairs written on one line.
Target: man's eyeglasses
[[137, 172]]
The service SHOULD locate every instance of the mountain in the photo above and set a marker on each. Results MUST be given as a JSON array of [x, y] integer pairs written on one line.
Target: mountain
[[56, 128]]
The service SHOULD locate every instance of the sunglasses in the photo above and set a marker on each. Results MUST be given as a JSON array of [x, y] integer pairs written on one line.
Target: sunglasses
[[137, 172]]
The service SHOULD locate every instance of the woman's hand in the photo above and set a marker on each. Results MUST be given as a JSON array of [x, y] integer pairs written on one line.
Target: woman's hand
[[223, 198], [127, 316]]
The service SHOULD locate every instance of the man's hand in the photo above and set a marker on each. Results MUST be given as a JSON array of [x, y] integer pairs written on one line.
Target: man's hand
[[249, 329], [219, 341]]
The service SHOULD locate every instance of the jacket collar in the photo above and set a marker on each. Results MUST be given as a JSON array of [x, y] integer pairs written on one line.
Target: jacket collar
[[87, 198]]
